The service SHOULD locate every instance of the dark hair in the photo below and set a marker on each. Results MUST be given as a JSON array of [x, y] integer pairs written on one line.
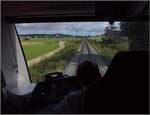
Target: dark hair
[[88, 72]]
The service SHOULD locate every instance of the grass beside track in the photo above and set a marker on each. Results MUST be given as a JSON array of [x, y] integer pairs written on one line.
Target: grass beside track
[[55, 63], [37, 47], [107, 51]]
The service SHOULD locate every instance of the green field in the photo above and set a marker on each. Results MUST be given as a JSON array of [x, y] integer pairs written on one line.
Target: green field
[[36, 47], [56, 63]]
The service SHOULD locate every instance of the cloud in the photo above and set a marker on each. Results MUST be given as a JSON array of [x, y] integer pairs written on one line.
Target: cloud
[[70, 28]]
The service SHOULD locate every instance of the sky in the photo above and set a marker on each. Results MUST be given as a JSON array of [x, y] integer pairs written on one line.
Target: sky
[[68, 28]]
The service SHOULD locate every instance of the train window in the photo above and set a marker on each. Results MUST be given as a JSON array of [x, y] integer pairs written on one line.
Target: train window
[[61, 46]]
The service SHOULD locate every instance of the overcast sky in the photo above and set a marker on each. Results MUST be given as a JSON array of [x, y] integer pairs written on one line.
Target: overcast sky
[[69, 28]]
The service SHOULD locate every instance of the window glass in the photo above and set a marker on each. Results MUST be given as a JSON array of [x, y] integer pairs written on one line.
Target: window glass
[[51, 47]]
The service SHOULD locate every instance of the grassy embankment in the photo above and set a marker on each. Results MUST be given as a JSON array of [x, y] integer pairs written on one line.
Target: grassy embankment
[[107, 51], [55, 63]]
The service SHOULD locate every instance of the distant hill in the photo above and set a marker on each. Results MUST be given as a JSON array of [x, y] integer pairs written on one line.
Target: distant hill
[[48, 36]]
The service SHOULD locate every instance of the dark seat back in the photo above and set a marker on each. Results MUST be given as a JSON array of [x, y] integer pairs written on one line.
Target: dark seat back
[[3, 98], [124, 88]]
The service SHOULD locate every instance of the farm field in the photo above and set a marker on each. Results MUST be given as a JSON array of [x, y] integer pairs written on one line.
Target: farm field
[[36, 47], [56, 63]]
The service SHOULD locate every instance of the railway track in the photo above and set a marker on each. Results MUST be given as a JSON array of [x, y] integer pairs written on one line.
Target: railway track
[[87, 47], [84, 52]]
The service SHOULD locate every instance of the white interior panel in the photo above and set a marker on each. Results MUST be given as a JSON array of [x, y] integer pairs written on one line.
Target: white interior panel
[[13, 63], [9, 63], [23, 77]]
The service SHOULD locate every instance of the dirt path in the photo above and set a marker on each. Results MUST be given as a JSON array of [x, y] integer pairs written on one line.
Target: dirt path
[[49, 54]]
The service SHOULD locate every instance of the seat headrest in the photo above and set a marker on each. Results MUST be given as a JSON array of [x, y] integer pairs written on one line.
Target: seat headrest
[[124, 88], [131, 63]]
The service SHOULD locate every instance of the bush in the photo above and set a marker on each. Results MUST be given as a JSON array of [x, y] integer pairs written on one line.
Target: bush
[[27, 38]]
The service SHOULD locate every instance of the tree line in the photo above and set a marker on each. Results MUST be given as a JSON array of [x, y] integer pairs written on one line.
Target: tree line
[[136, 32]]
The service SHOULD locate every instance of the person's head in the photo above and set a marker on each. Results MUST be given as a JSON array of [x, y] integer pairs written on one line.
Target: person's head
[[88, 72]]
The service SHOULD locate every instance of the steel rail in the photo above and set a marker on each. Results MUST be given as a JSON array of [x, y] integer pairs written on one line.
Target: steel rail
[[81, 50], [89, 51]]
